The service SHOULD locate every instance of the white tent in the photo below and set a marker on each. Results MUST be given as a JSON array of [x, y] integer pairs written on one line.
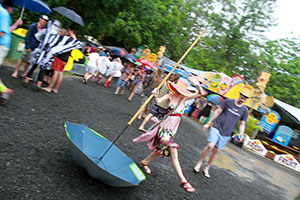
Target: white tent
[[288, 108]]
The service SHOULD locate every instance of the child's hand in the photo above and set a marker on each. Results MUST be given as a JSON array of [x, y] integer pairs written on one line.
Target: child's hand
[[155, 92]]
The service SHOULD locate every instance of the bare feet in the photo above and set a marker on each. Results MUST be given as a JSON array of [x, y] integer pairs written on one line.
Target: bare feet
[[206, 174], [142, 129], [46, 89], [14, 75], [197, 168], [55, 91]]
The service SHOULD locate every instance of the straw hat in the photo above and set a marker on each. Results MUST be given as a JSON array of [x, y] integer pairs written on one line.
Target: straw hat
[[246, 90], [180, 87]]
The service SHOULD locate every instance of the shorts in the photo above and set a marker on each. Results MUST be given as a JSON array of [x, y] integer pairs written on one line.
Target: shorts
[[3, 53], [121, 83], [27, 56], [58, 65], [216, 138], [158, 111]]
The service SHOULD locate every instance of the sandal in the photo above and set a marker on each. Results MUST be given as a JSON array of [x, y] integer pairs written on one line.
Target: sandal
[[206, 174], [187, 186], [146, 168]]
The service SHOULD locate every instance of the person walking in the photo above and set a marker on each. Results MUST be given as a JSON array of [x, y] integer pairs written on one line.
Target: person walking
[[161, 138], [6, 8], [30, 44], [123, 79], [225, 119]]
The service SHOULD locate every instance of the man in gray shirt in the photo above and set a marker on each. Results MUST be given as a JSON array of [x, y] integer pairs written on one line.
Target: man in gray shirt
[[226, 118]]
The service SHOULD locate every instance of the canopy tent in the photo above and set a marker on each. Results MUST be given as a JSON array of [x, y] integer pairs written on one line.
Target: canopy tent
[[291, 111]]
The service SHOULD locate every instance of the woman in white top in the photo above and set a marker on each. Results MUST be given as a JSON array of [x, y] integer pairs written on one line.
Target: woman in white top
[[114, 70], [91, 66]]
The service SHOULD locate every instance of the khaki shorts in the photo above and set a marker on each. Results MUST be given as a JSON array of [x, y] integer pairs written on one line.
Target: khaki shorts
[[3, 53], [27, 56]]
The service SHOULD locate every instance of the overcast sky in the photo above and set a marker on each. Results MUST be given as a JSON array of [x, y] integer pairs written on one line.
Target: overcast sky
[[288, 14]]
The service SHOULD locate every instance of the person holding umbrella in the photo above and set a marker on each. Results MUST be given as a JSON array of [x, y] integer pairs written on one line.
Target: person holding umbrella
[[30, 44], [161, 138], [225, 119]]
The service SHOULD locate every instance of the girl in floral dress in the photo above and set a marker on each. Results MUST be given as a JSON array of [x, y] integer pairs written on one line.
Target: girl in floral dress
[[161, 138]]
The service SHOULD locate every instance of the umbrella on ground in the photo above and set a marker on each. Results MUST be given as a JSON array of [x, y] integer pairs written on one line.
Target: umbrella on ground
[[33, 5], [70, 14], [100, 158], [215, 99]]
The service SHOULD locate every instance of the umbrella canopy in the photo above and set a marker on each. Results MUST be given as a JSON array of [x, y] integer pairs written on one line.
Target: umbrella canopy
[[70, 14], [33, 5], [114, 169], [123, 51], [147, 63], [215, 99], [129, 59]]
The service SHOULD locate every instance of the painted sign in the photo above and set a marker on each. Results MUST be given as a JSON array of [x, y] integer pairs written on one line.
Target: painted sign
[[287, 160], [263, 80], [224, 85], [256, 146], [283, 135], [161, 51], [214, 83], [139, 52], [152, 57], [208, 76], [270, 121], [236, 84], [145, 54]]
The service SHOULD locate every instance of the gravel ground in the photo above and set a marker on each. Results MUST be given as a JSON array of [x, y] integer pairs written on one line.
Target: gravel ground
[[36, 161]]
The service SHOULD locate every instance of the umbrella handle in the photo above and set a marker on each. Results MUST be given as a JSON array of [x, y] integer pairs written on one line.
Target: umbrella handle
[[169, 74], [22, 12]]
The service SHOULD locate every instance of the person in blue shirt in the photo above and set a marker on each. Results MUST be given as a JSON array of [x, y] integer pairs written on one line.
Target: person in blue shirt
[[5, 38]]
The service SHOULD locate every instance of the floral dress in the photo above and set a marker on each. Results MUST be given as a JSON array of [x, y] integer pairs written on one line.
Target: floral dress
[[161, 138], [166, 133]]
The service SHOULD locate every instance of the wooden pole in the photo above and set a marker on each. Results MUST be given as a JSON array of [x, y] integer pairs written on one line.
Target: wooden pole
[[166, 78]]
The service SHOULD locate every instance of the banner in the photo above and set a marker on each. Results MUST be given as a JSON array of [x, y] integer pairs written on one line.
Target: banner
[[139, 52], [256, 146], [235, 87], [224, 85], [287, 160], [283, 135], [270, 121], [214, 83]]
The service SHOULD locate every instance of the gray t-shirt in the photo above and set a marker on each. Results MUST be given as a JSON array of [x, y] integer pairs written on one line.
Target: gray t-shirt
[[230, 116]]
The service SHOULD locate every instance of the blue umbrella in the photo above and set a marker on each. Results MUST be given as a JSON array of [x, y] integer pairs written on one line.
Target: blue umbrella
[[215, 99], [100, 158], [32, 5]]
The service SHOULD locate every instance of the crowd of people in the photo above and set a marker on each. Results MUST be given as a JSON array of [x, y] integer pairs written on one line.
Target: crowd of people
[[51, 48]]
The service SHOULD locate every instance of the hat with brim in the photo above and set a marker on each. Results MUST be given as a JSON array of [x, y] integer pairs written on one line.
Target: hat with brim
[[246, 90], [180, 87]]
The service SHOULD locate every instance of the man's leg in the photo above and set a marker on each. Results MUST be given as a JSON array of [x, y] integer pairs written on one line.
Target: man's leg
[[210, 161], [59, 80], [205, 153], [16, 71]]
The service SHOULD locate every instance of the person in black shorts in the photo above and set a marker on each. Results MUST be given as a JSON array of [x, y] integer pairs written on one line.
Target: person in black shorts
[[159, 110]]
